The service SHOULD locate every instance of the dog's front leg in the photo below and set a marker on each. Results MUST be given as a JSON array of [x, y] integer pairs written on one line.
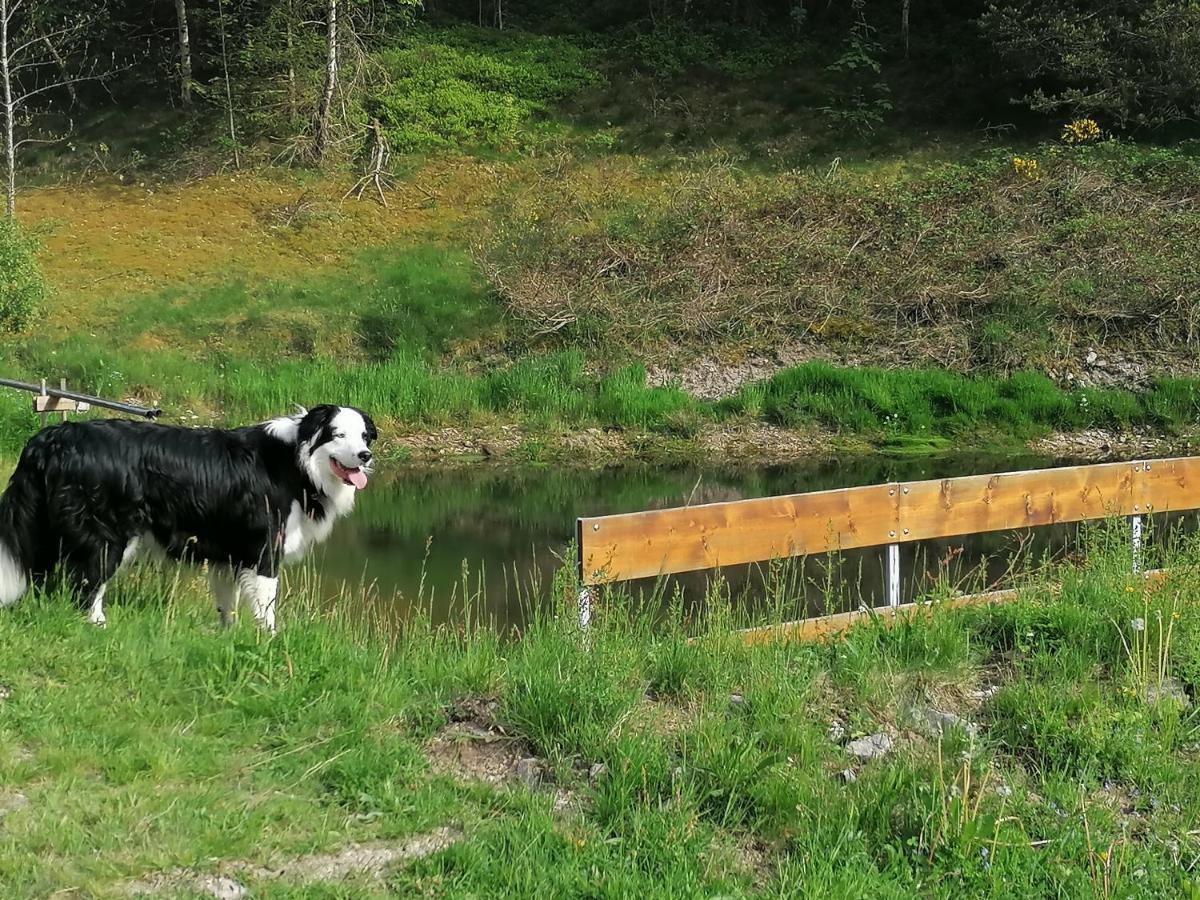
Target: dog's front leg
[[261, 591]]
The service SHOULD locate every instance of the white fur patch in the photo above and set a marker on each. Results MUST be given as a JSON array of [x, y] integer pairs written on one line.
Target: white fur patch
[[96, 613], [301, 531], [285, 428], [261, 592], [13, 582]]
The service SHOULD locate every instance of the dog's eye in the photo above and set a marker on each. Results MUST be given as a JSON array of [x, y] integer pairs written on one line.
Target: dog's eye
[[365, 438], [339, 436]]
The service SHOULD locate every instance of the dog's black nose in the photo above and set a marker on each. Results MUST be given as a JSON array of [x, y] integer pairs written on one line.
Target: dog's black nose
[[365, 456]]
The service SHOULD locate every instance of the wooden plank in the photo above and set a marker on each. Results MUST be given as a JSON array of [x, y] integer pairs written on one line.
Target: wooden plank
[[58, 404], [660, 542], [1168, 485], [667, 541], [1001, 502], [822, 627]]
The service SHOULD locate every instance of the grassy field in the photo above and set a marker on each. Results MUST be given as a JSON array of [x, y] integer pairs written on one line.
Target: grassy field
[[1044, 747]]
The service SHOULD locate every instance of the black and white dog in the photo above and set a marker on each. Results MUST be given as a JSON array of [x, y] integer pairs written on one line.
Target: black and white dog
[[87, 496]]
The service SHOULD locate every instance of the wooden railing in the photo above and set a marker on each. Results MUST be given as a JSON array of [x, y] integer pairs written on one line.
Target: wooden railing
[[686, 539]]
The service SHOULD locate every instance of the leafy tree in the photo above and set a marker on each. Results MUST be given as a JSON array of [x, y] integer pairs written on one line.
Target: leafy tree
[[1134, 62]]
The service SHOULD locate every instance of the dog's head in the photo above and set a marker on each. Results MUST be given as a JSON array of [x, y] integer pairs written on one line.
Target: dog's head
[[333, 444]]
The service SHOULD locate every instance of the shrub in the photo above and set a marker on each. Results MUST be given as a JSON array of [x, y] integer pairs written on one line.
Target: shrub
[[474, 86], [22, 285]]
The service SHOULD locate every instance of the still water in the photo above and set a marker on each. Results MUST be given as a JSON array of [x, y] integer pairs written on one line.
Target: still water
[[415, 533]]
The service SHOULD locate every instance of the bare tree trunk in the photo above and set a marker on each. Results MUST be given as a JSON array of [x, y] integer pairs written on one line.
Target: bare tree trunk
[[62, 67], [237, 162], [10, 153], [325, 110], [500, 14], [185, 55], [904, 4], [293, 102]]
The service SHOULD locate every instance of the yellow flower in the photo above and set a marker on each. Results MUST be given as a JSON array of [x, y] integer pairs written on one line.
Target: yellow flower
[[1081, 131], [1026, 168]]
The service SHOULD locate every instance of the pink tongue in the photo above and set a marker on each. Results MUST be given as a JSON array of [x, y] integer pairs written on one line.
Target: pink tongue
[[358, 478]]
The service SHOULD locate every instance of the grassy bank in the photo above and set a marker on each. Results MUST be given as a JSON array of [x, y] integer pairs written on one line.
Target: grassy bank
[[550, 396], [162, 750]]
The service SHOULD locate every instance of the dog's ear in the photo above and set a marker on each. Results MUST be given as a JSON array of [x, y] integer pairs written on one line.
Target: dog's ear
[[314, 427], [372, 432]]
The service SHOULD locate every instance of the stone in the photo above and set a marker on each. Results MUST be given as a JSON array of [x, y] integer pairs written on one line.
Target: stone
[[1170, 689], [222, 888], [736, 699], [849, 776], [934, 723], [837, 731], [1092, 357], [529, 770], [5, 692], [873, 746], [597, 771]]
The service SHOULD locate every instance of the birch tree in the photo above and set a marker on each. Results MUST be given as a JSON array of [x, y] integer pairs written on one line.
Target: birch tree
[[185, 54], [324, 123], [43, 51]]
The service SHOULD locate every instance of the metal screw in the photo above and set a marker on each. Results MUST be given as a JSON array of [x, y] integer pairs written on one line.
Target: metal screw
[[906, 490], [891, 492], [1136, 507], [906, 531], [595, 526], [891, 534]]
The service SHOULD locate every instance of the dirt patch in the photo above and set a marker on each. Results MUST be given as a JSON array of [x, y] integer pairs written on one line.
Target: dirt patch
[[469, 752], [11, 802], [366, 861], [714, 377], [1101, 444]]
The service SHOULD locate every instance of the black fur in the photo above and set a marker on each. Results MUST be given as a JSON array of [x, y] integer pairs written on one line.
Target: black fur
[[83, 491]]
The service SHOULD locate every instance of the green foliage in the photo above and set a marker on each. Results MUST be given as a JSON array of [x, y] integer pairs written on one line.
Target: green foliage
[[1135, 63], [860, 101], [474, 87], [670, 48], [22, 285], [936, 402]]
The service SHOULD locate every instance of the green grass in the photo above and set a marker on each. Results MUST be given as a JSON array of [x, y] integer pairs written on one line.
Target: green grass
[[163, 742], [911, 411], [937, 404]]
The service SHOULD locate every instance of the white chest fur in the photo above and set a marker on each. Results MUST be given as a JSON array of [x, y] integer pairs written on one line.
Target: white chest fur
[[302, 531]]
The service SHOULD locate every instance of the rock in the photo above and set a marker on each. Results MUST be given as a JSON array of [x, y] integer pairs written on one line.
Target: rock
[[873, 746], [529, 770], [1170, 689], [597, 771], [848, 776], [1091, 357], [736, 699], [11, 803], [935, 723], [985, 694], [5, 692], [837, 731], [221, 888]]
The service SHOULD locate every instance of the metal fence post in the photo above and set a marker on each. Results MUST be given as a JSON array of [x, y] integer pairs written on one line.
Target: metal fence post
[[893, 575], [1135, 542], [585, 609]]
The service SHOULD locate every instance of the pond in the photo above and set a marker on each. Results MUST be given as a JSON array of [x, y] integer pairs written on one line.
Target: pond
[[498, 534]]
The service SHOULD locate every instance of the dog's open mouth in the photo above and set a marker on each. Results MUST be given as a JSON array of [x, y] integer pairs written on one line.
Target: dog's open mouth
[[355, 477]]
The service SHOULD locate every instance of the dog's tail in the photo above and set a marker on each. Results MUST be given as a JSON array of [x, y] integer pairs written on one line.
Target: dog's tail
[[19, 506]]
